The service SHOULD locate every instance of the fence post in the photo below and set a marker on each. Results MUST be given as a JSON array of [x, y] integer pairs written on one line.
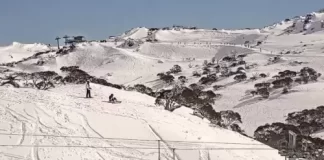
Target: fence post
[[159, 149]]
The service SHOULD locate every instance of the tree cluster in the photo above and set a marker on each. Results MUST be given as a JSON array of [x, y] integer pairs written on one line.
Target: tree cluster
[[166, 77], [303, 124], [78, 76], [142, 89], [285, 80], [308, 121], [199, 100], [209, 79]]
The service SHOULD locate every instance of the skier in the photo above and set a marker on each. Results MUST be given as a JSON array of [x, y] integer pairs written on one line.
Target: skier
[[88, 89]]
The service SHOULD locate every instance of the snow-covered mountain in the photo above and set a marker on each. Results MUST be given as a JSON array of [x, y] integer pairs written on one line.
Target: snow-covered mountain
[[276, 55], [135, 33], [17, 51], [310, 23]]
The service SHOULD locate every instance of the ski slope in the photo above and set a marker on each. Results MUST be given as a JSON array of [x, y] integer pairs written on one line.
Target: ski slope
[[18, 51], [130, 67], [107, 131], [80, 128], [135, 33]]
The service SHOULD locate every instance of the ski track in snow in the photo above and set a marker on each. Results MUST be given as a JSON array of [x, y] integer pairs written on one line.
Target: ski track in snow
[[85, 120], [23, 130]]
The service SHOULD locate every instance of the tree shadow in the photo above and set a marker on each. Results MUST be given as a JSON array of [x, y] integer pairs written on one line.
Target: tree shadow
[[231, 83], [277, 94], [78, 96], [249, 102]]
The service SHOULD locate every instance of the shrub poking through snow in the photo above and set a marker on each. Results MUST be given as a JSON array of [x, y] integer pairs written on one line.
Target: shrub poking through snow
[[240, 70], [213, 60], [196, 74], [240, 77], [209, 79], [175, 69], [217, 87], [241, 63], [262, 75], [206, 70], [229, 59], [182, 79], [205, 64]]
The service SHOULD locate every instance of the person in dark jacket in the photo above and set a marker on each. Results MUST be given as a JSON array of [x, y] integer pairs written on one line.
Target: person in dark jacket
[[112, 99], [88, 95]]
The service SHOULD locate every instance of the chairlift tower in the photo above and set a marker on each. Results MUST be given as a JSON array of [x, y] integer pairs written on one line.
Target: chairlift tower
[[58, 42], [66, 39]]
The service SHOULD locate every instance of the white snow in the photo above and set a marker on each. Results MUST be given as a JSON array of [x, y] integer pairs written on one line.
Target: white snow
[[64, 112], [18, 51], [75, 121], [136, 33]]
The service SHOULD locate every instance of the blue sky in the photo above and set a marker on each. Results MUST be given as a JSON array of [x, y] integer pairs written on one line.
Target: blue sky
[[29, 21]]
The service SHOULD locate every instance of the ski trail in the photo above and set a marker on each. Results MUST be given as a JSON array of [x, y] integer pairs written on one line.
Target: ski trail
[[34, 150], [87, 123], [133, 80], [169, 155], [101, 156], [204, 155], [110, 151], [12, 155], [29, 114], [17, 115], [35, 153], [23, 129]]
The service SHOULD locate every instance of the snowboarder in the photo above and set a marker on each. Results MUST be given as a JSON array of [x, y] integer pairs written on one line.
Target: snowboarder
[[88, 89], [112, 99]]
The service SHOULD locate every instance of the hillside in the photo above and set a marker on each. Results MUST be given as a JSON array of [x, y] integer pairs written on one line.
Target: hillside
[[99, 129], [265, 75], [18, 51]]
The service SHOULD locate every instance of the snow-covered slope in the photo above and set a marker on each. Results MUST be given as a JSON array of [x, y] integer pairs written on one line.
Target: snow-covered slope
[[62, 124], [186, 35], [136, 33], [128, 66], [137, 117], [310, 23], [18, 51]]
